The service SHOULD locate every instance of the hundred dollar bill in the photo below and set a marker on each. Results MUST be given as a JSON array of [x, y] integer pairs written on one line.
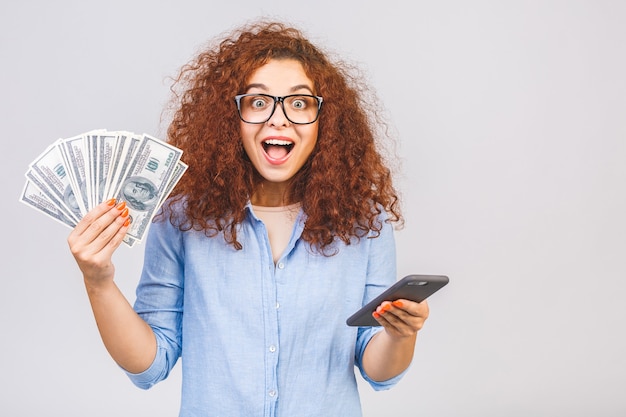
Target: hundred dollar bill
[[50, 196], [75, 154], [146, 182], [126, 150], [129, 241], [34, 197], [92, 158], [180, 169], [120, 141], [50, 168], [106, 147]]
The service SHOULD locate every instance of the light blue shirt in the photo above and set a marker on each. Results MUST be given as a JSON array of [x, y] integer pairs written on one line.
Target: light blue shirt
[[258, 338]]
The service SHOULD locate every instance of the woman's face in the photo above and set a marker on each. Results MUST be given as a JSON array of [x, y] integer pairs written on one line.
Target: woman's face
[[278, 148]]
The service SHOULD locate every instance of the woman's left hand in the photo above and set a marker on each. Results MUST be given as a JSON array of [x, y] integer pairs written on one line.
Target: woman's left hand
[[390, 352], [402, 318]]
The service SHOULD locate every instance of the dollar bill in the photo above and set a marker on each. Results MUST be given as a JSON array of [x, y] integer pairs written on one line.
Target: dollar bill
[[125, 154], [146, 182], [179, 170], [106, 146], [92, 157], [50, 173], [79, 167], [36, 198]]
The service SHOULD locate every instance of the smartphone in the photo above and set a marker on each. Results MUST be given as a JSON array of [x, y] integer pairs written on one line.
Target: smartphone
[[412, 287]]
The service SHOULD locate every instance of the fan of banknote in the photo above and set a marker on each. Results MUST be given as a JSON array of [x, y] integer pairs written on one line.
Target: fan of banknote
[[73, 175]]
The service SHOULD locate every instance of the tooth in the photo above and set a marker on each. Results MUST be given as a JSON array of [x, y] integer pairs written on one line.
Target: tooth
[[277, 142]]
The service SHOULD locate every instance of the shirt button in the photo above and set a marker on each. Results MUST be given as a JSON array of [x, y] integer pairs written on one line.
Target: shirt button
[[272, 348], [272, 393], [277, 306], [281, 265]]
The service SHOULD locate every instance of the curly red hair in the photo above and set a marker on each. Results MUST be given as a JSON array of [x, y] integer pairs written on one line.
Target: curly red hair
[[345, 184]]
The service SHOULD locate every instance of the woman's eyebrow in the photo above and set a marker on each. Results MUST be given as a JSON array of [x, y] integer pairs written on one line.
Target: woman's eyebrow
[[263, 87], [300, 87], [256, 85]]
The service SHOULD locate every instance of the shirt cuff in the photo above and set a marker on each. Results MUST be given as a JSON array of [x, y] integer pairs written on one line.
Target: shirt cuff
[[152, 375], [384, 385]]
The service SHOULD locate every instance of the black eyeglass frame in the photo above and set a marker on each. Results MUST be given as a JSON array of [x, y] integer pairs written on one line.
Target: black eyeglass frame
[[281, 100]]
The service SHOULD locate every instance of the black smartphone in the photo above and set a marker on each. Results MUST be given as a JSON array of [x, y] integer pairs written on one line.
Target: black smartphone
[[412, 287]]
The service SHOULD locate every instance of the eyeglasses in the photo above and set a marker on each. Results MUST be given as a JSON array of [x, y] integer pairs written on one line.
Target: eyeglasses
[[300, 109]]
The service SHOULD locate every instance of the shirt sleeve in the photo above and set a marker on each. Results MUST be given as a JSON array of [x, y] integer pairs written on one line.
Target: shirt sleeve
[[381, 273], [160, 299]]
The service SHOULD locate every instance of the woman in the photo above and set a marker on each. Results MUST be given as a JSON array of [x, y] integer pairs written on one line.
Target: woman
[[280, 229]]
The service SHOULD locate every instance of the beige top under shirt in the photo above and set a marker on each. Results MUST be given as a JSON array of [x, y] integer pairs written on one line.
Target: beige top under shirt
[[279, 222]]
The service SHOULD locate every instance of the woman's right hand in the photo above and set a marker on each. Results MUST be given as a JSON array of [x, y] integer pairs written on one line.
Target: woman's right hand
[[127, 337], [96, 237]]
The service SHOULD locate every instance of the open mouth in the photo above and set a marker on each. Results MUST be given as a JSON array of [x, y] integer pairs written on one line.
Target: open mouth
[[277, 148]]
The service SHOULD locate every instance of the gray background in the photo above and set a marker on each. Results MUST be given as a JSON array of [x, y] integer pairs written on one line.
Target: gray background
[[513, 143]]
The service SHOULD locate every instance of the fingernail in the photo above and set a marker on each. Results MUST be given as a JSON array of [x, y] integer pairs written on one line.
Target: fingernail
[[376, 315], [124, 212], [127, 222], [111, 202], [386, 307], [121, 205], [397, 303]]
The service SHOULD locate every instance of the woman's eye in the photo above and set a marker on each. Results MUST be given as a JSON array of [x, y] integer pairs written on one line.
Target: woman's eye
[[298, 104], [258, 103]]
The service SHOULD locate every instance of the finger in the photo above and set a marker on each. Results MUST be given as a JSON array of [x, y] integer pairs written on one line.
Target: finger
[[392, 325], [104, 225], [99, 226], [384, 314], [411, 308], [404, 308], [92, 215], [402, 317], [111, 238]]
